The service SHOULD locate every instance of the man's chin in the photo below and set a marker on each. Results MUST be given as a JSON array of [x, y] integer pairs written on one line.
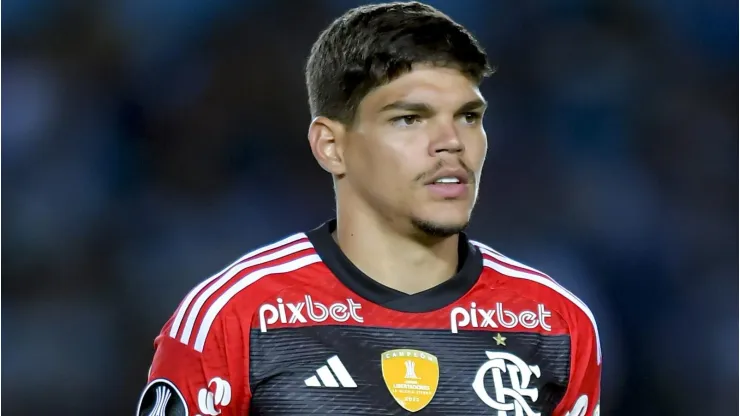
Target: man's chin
[[438, 229]]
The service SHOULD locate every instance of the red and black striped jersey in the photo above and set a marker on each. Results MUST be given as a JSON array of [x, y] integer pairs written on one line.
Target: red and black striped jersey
[[294, 328]]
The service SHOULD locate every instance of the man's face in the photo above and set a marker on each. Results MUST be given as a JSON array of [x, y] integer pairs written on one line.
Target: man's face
[[417, 149]]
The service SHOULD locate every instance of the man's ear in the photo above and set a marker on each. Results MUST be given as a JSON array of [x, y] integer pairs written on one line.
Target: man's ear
[[326, 138]]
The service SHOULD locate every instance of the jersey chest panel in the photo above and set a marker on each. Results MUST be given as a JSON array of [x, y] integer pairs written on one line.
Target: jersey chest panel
[[366, 370]]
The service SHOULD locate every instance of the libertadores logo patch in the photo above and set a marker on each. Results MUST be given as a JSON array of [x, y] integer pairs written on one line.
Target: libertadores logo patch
[[412, 377]]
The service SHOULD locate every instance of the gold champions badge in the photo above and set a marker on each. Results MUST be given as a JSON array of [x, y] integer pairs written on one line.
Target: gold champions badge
[[411, 376]]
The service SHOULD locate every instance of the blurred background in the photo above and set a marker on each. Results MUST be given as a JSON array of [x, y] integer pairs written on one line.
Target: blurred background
[[146, 144]]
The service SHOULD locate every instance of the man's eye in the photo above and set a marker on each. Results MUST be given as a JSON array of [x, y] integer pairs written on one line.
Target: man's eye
[[472, 118], [405, 121]]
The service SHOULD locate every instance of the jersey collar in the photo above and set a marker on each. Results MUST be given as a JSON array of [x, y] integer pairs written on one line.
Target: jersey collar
[[437, 297]]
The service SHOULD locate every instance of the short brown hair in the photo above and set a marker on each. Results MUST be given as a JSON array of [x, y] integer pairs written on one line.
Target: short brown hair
[[370, 46]]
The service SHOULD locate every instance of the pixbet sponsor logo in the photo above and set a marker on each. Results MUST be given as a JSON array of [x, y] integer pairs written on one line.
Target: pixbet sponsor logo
[[499, 316], [308, 310]]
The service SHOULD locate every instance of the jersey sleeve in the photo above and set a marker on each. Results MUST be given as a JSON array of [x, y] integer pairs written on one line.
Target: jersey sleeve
[[184, 381], [582, 397]]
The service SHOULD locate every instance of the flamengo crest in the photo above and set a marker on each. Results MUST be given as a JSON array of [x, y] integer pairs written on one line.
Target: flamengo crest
[[509, 401]]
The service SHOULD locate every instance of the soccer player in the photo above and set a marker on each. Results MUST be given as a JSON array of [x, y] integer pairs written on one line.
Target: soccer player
[[389, 309]]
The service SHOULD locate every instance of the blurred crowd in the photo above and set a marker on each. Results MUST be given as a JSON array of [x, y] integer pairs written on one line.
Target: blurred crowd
[[146, 144]]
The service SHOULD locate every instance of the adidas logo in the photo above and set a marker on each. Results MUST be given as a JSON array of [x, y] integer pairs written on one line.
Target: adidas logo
[[327, 379]]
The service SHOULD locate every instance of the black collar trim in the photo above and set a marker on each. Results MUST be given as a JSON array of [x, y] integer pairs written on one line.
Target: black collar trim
[[440, 296]]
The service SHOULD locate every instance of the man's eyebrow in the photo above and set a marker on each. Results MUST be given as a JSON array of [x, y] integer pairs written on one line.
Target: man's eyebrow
[[407, 106], [477, 104]]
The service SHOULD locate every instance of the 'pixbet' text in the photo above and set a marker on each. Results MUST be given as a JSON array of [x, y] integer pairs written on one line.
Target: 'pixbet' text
[[499, 316]]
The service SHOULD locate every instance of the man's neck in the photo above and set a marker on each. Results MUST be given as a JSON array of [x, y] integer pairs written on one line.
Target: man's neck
[[392, 259]]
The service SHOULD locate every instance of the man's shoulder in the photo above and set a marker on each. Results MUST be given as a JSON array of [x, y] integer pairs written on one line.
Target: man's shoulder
[[539, 286], [280, 257], [535, 282], [240, 287]]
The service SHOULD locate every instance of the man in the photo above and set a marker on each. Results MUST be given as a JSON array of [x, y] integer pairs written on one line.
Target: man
[[389, 309]]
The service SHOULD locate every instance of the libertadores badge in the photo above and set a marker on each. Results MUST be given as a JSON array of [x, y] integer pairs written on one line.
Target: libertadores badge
[[411, 376]]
